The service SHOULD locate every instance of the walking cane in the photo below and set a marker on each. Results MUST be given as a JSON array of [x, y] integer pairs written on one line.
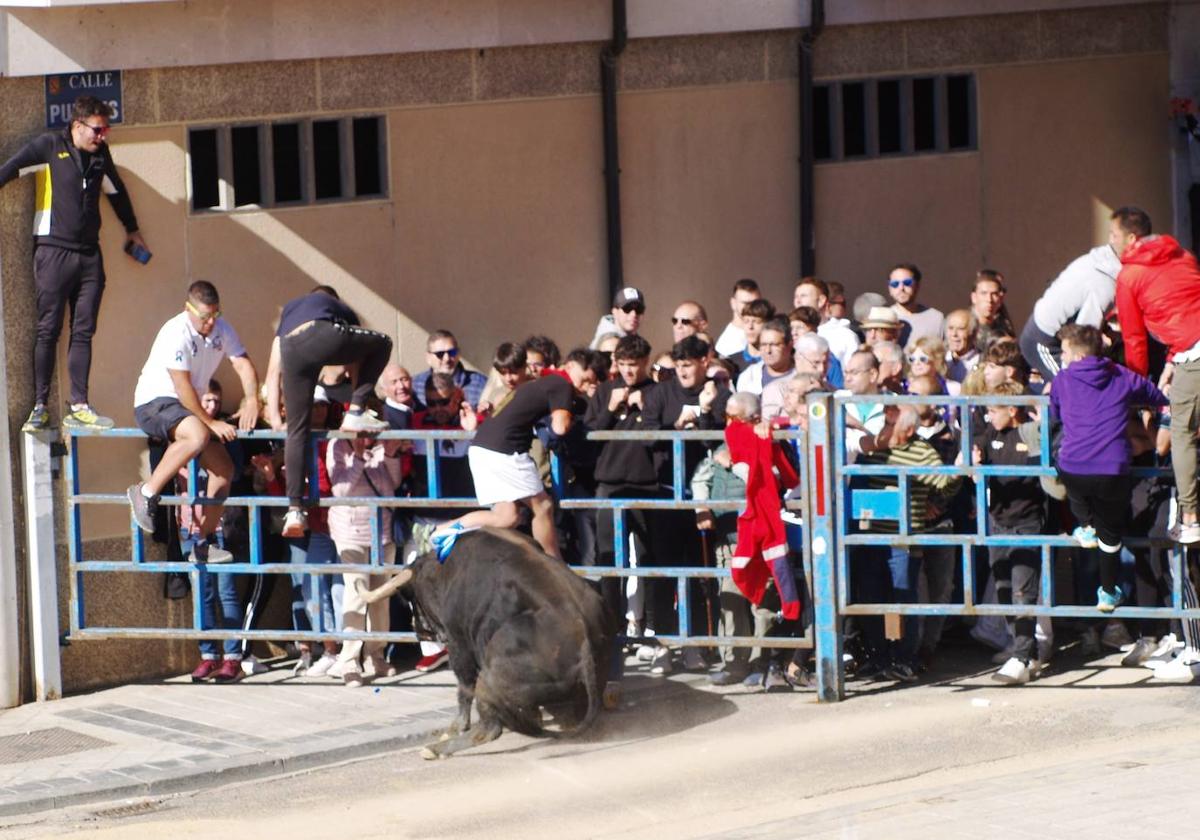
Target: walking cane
[[708, 613]]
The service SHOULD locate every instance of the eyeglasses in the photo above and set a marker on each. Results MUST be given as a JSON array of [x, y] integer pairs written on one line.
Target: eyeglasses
[[98, 130], [633, 307], [452, 353], [907, 283], [203, 316], [685, 322], [918, 358]]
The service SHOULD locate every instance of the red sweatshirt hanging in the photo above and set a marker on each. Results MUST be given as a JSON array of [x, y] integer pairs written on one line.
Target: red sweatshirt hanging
[[761, 539]]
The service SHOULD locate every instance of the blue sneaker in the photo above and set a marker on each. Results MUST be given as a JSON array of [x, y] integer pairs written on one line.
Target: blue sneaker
[[1107, 603], [1085, 536], [443, 540]]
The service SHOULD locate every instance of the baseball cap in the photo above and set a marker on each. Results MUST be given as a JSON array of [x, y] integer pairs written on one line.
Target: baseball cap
[[629, 296]]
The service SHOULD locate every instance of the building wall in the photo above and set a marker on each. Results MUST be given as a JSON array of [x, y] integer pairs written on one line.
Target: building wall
[[494, 224]]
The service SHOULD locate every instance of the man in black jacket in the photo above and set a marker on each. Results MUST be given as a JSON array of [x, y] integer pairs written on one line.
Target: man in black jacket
[[625, 469], [689, 400], [71, 167]]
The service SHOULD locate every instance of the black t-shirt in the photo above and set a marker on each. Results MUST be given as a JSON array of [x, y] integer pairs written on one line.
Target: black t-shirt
[[317, 306], [511, 430], [1012, 500]]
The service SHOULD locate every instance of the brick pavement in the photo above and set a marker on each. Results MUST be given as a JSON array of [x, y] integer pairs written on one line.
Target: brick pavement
[[155, 738]]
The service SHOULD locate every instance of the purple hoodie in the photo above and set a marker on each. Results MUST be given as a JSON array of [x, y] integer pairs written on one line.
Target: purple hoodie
[[1092, 398]]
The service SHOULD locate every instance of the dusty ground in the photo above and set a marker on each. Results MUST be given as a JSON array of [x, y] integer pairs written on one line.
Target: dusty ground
[[955, 758]]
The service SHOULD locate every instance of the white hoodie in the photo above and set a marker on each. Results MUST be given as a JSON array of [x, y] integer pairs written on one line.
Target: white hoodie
[[1082, 293]]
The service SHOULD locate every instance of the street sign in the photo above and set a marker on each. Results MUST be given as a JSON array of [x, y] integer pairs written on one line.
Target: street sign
[[62, 89]]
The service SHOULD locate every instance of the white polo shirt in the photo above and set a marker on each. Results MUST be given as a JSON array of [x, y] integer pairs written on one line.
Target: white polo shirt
[[179, 347]]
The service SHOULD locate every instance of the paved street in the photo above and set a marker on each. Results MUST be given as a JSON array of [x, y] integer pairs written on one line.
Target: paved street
[[957, 757]]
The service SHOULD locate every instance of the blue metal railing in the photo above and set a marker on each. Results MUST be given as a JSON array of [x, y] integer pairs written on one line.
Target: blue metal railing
[[835, 504], [257, 564]]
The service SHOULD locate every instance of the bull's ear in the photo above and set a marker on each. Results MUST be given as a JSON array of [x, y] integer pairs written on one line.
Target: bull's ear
[[380, 592]]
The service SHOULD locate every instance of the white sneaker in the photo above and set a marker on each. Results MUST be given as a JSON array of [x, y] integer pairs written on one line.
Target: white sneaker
[[341, 668], [295, 523], [693, 660], [661, 664], [364, 422], [251, 666], [1013, 672], [1115, 636], [1186, 534], [1168, 646], [304, 661], [321, 667], [1182, 669], [645, 653]]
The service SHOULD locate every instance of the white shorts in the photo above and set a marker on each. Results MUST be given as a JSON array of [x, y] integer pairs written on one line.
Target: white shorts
[[503, 478]]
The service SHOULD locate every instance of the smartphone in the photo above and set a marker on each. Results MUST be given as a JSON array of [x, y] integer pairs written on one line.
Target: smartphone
[[138, 252]]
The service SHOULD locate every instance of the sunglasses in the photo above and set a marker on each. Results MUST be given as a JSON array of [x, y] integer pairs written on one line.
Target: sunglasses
[[686, 322], [907, 283], [918, 358], [452, 353], [211, 316], [633, 307], [98, 130]]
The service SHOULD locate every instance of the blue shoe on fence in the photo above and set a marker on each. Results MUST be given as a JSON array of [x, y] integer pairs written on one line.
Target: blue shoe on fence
[[1085, 536], [1107, 603]]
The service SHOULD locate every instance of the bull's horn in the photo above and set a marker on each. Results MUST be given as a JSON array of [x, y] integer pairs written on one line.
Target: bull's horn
[[380, 592]]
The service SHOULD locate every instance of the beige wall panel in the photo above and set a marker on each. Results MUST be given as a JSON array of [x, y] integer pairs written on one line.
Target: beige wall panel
[[710, 193], [1101, 140], [499, 223], [260, 260], [873, 214]]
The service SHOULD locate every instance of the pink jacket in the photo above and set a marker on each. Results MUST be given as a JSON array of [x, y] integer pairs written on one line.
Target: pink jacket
[[354, 476]]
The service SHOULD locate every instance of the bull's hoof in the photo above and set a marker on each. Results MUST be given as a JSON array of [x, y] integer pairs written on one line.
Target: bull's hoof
[[447, 735], [429, 754]]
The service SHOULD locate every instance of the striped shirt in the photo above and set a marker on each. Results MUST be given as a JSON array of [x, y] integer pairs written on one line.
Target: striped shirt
[[921, 488]]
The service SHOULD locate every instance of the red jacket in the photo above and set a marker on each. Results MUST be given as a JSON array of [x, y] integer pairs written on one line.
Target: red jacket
[[1158, 290]]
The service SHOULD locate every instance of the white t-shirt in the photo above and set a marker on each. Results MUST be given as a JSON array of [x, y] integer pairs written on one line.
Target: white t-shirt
[[179, 347], [843, 343], [731, 341]]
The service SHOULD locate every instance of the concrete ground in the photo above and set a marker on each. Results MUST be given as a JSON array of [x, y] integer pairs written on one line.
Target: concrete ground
[[1091, 748]]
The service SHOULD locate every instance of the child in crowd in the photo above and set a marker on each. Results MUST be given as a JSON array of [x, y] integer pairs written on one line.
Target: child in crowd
[[1092, 398], [370, 468], [1016, 506]]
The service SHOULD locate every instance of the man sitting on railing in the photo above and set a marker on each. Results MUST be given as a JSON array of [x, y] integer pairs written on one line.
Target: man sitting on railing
[[185, 355]]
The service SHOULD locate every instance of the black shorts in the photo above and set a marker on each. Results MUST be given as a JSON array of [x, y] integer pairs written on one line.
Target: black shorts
[[159, 416]]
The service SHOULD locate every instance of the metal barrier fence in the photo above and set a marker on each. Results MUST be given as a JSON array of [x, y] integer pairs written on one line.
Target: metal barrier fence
[[837, 502], [40, 453], [830, 501]]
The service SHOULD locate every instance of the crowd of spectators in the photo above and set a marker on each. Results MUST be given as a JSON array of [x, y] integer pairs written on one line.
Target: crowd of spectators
[[1106, 417]]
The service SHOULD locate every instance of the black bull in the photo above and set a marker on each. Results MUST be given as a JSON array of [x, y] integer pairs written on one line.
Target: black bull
[[524, 633]]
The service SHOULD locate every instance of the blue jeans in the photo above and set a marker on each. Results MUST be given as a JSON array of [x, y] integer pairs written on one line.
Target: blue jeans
[[218, 588], [316, 599]]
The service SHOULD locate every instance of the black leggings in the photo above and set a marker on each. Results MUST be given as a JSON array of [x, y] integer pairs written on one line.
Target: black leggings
[[63, 278], [303, 355], [1102, 501]]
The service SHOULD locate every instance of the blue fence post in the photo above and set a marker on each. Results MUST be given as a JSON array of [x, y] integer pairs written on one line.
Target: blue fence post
[[820, 528]]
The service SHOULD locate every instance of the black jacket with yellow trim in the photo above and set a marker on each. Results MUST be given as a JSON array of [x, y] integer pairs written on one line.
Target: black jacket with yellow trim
[[67, 190]]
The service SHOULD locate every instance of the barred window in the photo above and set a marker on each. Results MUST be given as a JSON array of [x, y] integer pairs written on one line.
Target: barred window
[[868, 118], [286, 163]]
